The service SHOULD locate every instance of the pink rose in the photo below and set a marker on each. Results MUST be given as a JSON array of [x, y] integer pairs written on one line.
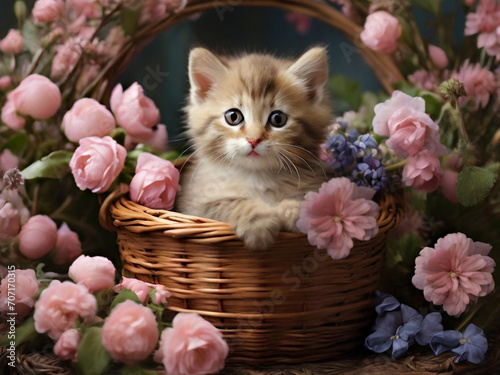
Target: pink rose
[[88, 8], [192, 346], [68, 246], [449, 186], [60, 305], [384, 111], [97, 162], [142, 289], [36, 96], [155, 183], [96, 273], [134, 112], [337, 213], [8, 161], [10, 117], [87, 118], [47, 11], [26, 288], [5, 82], [130, 333], [381, 32], [455, 272], [438, 56], [37, 237], [9, 220], [12, 43], [423, 171], [66, 347], [66, 57], [159, 139], [410, 131]]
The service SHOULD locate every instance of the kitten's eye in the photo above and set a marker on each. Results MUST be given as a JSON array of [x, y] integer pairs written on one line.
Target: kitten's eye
[[277, 119], [234, 117]]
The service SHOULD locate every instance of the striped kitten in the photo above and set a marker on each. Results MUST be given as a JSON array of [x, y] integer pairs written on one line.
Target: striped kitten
[[256, 124]]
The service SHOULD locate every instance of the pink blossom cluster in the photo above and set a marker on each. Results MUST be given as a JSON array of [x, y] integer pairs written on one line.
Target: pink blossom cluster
[[412, 134], [455, 272], [485, 21], [64, 310]]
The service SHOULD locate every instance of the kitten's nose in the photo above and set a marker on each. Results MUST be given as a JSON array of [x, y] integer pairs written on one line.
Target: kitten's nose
[[254, 142]]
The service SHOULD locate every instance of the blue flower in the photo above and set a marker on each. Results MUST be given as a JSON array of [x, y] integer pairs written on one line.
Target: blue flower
[[385, 302], [430, 326], [370, 172], [396, 329], [343, 152], [471, 345]]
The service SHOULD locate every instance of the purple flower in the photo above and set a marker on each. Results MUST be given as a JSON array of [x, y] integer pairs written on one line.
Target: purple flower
[[396, 330], [385, 302], [370, 172], [430, 326], [471, 345]]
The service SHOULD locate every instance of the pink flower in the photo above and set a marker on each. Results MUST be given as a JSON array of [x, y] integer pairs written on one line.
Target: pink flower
[[337, 213], [10, 117], [423, 171], [449, 186], [97, 162], [411, 131], [479, 84], [5, 82], [155, 183], [134, 112], [88, 8], [66, 57], [47, 11], [161, 293], [130, 332], [95, 273], [87, 118], [139, 287], [37, 237], [425, 80], [9, 220], [159, 139], [7, 161], [192, 346], [453, 273], [60, 305], [384, 111], [438, 56], [66, 347], [302, 22], [26, 288], [485, 21], [36, 96], [68, 246], [381, 32], [12, 43]]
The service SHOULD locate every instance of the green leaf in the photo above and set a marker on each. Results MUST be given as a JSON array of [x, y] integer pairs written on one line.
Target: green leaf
[[431, 6], [18, 143], [25, 332], [123, 296], [475, 183], [93, 358], [433, 104], [54, 165], [30, 36]]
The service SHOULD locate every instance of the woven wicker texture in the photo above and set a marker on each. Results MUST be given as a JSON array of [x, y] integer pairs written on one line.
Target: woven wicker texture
[[289, 304]]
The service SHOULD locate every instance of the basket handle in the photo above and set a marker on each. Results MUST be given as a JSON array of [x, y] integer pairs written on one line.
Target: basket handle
[[105, 218]]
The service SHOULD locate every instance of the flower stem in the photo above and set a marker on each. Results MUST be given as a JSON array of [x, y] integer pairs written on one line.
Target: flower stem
[[396, 166], [462, 122]]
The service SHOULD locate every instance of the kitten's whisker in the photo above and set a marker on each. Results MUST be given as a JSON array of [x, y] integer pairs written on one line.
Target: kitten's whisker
[[293, 165], [318, 161], [304, 161]]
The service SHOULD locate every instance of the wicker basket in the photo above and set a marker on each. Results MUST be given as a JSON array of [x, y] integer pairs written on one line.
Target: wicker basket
[[290, 304]]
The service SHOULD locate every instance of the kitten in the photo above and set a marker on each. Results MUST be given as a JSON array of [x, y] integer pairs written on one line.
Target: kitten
[[256, 123]]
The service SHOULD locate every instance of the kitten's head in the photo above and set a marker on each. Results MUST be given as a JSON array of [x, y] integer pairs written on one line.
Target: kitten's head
[[257, 111]]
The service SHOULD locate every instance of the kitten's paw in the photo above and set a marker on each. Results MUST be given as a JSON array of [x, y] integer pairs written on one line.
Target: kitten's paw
[[261, 234], [288, 212]]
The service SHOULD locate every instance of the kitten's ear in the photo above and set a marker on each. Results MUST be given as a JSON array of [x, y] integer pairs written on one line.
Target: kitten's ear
[[204, 70], [312, 69]]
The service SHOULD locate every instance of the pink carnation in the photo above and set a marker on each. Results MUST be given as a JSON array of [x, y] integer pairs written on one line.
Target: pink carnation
[[155, 183], [95, 273], [130, 333], [381, 32], [60, 305], [192, 346], [26, 288], [337, 213], [455, 272], [479, 84], [423, 171], [485, 21]]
